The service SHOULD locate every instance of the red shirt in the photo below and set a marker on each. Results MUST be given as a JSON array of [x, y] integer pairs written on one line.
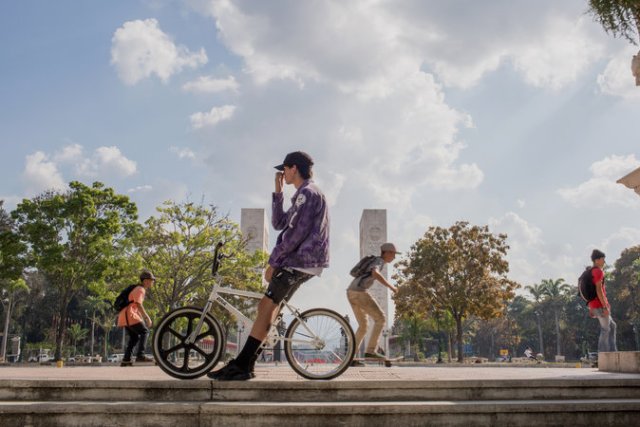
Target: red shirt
[[598, 275]]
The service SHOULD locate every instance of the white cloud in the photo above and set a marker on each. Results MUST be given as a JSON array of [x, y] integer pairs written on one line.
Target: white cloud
[[140, 48], [374, 44], [617, 79], [183, 153], [332, 183], [601, 190], [213, 117], [69, 154], [559, 55], [140, 188], [532, 258], [110, 159], [41, 174], [525, 246], [103, 162], [623, 238], [209, 84]]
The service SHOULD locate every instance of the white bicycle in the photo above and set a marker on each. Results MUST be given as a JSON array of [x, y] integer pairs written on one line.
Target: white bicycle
[[319, 343]]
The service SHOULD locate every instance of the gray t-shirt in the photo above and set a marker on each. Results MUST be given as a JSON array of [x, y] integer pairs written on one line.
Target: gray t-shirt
[[365, 281]]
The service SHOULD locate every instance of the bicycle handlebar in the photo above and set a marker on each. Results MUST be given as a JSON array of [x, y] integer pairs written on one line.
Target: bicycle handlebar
[[217, 256]]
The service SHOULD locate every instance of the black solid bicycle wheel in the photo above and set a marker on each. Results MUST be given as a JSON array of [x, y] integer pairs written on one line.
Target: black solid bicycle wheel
[[182, 360], [320, 344]]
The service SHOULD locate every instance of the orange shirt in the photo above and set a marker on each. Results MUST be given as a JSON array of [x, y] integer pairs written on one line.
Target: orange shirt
[[131, 314]]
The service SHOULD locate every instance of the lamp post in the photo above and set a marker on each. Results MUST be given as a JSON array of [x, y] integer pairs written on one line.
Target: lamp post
[[239, 341], [385, 337], [541, 348], [439, 338], [7, 304]]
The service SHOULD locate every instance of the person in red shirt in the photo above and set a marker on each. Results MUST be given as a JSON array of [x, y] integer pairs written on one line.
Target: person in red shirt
[[599, 306], [136, 321]]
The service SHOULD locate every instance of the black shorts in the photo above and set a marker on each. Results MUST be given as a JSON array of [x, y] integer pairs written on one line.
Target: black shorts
[[284, 283]]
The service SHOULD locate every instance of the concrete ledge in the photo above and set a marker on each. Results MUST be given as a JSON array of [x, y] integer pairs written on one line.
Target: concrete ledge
[[620, 361], [621, 412], [318, 391], [78, 390]]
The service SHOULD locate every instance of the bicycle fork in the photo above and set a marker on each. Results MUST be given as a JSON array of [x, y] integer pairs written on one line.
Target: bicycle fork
[[194, 334]]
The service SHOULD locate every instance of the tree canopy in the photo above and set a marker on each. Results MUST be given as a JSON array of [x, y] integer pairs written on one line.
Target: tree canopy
[[177, 245], [12, 249], [461, 269], [75, 238], [621, 18]]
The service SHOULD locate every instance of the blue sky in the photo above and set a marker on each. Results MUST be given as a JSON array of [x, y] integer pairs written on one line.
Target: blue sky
[[435, 111]]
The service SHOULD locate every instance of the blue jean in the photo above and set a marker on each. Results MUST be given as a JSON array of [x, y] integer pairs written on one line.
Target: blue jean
[[607, 339]]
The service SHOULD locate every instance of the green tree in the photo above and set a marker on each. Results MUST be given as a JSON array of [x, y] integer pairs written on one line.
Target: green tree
[[177, 246], [96, 305], [76, 333], [12, 250], [621, 18], [461, 270], [412, 330], [106, 322], [537, 291], [556, 293], [9, 290], [75, 239], [623, 292]]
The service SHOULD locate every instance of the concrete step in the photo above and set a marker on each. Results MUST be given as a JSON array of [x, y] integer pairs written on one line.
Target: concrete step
[[609, 412], [318, 391]]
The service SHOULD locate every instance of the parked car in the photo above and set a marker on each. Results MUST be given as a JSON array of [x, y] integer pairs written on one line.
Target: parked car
[[591, 357], [40, 358], [115, 358]]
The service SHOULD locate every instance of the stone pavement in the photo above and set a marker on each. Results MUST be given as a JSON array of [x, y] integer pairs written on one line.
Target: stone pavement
[[270, 372]]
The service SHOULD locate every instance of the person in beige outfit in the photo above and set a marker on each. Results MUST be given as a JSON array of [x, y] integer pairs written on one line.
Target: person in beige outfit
[[362, 302]]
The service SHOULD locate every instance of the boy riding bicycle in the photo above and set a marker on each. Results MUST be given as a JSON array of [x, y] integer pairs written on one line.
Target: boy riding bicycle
[[301, 252]]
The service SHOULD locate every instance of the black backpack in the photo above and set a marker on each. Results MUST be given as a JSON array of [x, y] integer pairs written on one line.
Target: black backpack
[[122, 300], [362, 267], [586, 287]]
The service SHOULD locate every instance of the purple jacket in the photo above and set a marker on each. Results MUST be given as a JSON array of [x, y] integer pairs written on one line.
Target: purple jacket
[[304, 240]]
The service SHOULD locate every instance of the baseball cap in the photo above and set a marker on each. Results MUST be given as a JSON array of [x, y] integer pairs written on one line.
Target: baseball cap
[[298, 158], [388, 247], [596, 254], [146, 274]]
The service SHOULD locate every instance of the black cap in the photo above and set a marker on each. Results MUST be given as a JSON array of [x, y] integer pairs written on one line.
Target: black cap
[[298, 158], [146, 274], [596, 254]]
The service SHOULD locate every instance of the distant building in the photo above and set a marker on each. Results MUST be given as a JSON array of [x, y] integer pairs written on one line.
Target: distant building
[[253, 225]]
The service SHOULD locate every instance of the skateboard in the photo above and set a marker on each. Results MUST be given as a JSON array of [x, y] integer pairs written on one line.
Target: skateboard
[[374, 360]]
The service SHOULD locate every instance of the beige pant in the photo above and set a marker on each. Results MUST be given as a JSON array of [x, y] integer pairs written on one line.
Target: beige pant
[[364, 305]]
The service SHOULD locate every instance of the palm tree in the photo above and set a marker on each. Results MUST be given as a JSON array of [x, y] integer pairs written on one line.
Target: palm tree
[[8, 292], [537, 292], [76, 333], [96, 305], [413, 331], [107, 323], [555, 292]]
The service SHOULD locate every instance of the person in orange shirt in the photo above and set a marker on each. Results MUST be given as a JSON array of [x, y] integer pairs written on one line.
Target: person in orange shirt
[[136, 321]]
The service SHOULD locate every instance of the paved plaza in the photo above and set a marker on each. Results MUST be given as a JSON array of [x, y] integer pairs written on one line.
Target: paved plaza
[[285, 373]]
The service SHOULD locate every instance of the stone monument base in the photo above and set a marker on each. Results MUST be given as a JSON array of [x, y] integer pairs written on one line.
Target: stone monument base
[[619, 361]]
